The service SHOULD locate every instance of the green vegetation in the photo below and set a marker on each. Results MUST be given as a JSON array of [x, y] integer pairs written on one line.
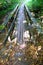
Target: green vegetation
[[6, 6], [1, 27], [35, 5]]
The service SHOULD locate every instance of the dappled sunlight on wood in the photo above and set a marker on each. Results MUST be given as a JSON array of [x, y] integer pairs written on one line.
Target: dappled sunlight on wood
[[26, 36], [24, 21], [12, 41]]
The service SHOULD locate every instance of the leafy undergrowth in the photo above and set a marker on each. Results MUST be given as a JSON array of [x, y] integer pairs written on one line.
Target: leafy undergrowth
[[36, 6], [4, 12], [7, 54], [33, 54]]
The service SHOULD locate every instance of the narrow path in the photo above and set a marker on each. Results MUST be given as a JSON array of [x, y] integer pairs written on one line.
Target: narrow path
[[20, 25], [20, 55]]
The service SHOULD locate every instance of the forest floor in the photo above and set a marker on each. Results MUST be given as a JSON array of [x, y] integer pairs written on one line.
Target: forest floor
[[21, 53]]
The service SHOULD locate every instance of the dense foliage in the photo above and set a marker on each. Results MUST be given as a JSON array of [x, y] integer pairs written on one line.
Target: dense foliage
[[7, 5], [35, 4]]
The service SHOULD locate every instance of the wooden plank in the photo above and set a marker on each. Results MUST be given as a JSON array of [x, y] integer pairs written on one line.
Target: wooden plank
[[10, 29], [9, 16], [30, 16]]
